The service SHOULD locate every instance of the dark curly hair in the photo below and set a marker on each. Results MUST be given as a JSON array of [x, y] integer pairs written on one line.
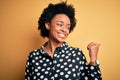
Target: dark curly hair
[[49, 13]]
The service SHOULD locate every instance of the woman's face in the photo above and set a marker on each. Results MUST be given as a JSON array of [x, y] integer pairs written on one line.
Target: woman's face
[[59, 28]]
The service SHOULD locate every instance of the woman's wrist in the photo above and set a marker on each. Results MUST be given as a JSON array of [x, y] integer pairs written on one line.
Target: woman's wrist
[[94, 63]]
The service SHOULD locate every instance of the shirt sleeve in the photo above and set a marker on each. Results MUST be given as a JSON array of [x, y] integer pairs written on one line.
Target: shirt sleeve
[[89, 72], [28, 70]]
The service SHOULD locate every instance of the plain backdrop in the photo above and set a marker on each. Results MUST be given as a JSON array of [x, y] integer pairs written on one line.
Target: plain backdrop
[[97, 21]]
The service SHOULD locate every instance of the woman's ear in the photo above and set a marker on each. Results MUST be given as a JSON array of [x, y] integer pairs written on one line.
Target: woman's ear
[[47, 25]]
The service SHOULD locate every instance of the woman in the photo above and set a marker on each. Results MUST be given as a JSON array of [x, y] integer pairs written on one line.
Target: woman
[[56, 60]]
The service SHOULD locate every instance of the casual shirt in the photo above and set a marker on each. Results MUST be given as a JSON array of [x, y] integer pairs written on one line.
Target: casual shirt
[[67, 63]]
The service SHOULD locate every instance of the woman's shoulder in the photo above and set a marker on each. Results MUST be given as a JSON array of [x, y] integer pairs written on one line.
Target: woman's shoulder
[[34, 52], [76, 50], [71, 48]]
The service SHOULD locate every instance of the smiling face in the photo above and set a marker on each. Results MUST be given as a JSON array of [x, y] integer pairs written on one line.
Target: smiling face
[[59, 28]]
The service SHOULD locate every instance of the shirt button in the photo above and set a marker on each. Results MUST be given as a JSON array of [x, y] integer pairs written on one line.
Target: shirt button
[[53, 68], [55, 55], [54, 61]]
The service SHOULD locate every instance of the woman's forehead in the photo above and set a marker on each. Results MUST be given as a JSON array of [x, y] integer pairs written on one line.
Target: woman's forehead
[[61, 18]]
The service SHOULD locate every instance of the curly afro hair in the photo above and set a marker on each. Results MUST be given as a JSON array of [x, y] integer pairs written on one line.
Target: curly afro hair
[[49, 13]]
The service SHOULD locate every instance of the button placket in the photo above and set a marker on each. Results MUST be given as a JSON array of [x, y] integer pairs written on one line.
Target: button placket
[[53, 68]]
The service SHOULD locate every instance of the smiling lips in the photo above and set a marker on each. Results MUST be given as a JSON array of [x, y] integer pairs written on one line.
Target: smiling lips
[[62, 35]]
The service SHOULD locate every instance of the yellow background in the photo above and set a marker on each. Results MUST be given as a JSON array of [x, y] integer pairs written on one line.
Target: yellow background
[[97, 21]]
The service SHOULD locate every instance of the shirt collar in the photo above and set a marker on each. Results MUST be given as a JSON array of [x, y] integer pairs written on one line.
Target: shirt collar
[[61, 48]]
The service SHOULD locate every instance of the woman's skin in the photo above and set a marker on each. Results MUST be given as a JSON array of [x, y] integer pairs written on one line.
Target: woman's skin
[[59, 28]]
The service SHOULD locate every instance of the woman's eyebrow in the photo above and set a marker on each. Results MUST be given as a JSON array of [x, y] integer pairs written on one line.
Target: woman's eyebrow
[[60, 21], [63, 22]]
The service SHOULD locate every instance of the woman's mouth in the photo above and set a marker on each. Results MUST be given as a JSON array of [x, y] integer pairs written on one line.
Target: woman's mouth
[[61, 35]]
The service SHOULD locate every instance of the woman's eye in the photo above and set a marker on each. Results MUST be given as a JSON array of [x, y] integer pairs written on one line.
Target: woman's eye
[[59, 24]]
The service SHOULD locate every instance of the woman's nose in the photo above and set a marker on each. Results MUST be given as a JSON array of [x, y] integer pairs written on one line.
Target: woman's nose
[[64, 29]]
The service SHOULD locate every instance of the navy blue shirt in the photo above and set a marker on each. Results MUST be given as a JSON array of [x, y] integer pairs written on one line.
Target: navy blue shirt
[[68, 63]]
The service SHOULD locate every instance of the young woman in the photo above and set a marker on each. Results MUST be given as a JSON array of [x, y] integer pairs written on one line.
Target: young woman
[[56, 60]]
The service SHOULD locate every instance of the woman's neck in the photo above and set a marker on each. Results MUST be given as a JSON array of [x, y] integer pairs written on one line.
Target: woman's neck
[[51, 46]]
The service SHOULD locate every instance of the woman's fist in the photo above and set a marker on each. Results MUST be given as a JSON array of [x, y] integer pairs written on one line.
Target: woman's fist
[[93, 51]]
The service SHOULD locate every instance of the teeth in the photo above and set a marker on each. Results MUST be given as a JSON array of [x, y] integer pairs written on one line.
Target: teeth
[[62, 35]]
